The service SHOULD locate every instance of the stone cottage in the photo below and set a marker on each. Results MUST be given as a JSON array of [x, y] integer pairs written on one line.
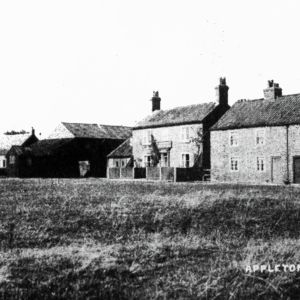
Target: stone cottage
[[178, 137], [258, 141], [8, 140]]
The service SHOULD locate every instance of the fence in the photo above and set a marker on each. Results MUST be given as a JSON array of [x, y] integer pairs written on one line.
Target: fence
[[159, 173], [126, 173]]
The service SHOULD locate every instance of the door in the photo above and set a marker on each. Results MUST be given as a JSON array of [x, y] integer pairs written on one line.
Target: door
[[297, 169], [276, 170]]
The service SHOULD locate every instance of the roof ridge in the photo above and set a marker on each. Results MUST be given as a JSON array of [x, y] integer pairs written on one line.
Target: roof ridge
[[182, 106]]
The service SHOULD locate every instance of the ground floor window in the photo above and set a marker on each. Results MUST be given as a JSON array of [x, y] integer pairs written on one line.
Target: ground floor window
[[234, 164], [260, 164], [185, 160], [3, 163]]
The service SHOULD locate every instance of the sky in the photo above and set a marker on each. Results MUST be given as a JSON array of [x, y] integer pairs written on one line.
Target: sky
[[100, 61]]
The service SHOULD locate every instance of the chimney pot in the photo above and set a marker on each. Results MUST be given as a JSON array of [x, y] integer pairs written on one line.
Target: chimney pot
[[273, 91], [155, 101], [222, 92]]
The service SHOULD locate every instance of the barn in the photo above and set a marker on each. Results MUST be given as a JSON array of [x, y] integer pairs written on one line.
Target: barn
[[72, 150]]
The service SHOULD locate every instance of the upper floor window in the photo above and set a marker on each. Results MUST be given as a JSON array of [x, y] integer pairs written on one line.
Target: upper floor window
[[117, 164], [234, 164], [185, 160], [12, 159], [260, 137], [185, 133], [233, 139], [4, 163], [147, 137], [123, 163], [260, 164]]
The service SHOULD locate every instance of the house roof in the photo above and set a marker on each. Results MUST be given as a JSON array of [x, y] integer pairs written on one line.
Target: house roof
[[85, 130], [47, 147], [179, 115], [7, 141], [124, 150], [284, 110]]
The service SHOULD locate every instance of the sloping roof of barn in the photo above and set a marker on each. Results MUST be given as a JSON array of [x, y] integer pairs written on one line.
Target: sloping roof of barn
[[284, 110], [124, 150], [177, 116], [47, 147], [85, 130], [7, 141]]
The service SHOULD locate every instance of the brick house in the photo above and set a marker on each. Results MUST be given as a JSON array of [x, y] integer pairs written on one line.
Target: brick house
[[9, 140], [178, 137], [71, 150], [258, 141]]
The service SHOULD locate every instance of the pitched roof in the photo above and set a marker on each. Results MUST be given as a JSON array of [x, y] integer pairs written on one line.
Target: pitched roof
[[47, 147], [179, 115], [7, 141], [284, 110], [84, 130], [124, 150]]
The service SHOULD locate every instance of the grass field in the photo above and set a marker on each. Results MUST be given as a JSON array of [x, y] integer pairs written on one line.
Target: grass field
[[99, 239]]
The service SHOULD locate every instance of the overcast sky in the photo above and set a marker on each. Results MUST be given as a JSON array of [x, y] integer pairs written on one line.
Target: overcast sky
[[99, 61]]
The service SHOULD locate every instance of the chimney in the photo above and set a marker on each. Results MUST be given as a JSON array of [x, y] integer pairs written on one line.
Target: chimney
[[32, 131], [273, 91], [155, 101], [222, 92]]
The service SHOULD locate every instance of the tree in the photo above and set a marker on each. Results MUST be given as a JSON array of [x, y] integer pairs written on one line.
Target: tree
[[198, 141], [155, 155]]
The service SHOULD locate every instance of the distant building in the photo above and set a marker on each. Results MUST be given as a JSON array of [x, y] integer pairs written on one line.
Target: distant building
[[9, 140], [121, 157], [178, 137], [72, 150], [258, 141]]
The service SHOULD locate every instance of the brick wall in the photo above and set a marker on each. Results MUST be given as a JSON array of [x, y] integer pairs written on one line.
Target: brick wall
[[247, 151]]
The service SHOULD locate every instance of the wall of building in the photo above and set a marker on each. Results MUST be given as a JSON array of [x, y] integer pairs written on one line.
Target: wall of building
[[118, 162], [168, 137], [247, 151]]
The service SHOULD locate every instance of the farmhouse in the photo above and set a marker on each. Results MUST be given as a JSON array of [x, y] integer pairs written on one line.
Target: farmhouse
[[178, 137], [258, 141], [10, 139], [71, 150]]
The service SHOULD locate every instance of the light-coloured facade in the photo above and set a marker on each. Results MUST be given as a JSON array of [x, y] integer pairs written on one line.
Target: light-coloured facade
[[256, 155], [176, 145], [118, 162]]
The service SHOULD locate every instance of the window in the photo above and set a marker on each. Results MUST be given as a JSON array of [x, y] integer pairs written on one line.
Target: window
[[117, 164], [185, 133], [185, 160], [260, 164], [164, 159], [260, 137], [147, 161], [234, 164], [123, 163], [233, 141], [12, 159], [147, 139], [4, 163]]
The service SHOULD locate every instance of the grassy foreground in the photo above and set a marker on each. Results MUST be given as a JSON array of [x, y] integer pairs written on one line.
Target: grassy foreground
[[99, 239]]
